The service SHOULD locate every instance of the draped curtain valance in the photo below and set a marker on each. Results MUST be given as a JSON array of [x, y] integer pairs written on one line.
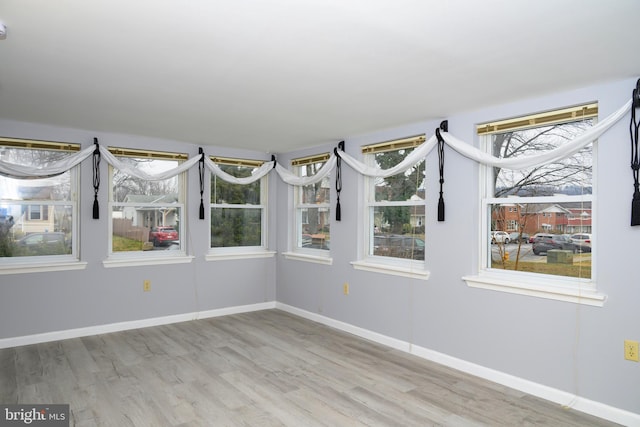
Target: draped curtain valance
[[417, 155]]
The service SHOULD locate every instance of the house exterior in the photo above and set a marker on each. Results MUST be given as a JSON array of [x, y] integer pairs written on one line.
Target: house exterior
[[35, 218], [558, 218], [319, 195], [148, 215], [418, 212], [417, 218]]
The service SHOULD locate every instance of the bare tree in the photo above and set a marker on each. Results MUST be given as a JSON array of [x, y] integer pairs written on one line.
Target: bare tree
[[567, 176], [311, 194], [124, 184], [553, 178]]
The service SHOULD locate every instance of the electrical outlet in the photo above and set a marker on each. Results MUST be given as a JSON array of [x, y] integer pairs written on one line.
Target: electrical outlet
[[631, 350], [345, 289], [146, 285]]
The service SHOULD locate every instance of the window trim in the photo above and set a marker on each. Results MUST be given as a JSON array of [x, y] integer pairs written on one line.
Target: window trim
[[42, 266], [241, 252], [560, 288], [141, 258], [548, 287], [550, 117], [307, 160], [415, 269], [137, 153], [48, 263], [394, 268], [394, 144], [315, 255], [35, 144]]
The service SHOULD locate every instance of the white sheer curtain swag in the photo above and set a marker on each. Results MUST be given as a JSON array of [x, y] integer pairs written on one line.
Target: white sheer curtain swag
[[473, 153], [526, 162], [56, 168], [292, 179], [135, 172], [415, 157], [258, 173]]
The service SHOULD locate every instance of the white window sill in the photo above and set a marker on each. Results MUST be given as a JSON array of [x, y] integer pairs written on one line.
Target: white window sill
[[545, 288], [142, 261], [19, 268], [396, 270], [318, 259], [224, 256]]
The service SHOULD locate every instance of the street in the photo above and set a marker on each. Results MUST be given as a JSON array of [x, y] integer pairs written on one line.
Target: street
[[526, 253]]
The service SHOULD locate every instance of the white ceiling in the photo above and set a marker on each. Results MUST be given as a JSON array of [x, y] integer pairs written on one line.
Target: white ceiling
[[280, 75]]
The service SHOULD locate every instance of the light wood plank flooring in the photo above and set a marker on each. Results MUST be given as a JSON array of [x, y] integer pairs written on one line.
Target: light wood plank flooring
[[266, 368]]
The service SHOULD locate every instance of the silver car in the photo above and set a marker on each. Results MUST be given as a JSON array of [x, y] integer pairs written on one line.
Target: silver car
[[500, 237], [582, 241]]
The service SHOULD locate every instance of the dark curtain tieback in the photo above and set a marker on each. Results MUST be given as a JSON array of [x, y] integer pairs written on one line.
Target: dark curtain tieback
[[338, 178], [201, 174], [635, 156], [444, 126], [96, 179]]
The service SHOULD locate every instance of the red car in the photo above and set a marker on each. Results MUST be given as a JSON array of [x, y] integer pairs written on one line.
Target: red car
[[162, 235]]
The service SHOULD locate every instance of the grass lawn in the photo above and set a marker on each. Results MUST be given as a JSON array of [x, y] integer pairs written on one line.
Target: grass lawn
[[581, 267], [123, 244]]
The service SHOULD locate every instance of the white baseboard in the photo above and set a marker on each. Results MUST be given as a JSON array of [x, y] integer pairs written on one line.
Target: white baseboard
[[133, 324], [566, 400]]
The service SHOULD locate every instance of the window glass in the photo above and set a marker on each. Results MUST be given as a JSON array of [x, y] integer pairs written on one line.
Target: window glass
[[312, 207], [396, 208], [146, 215], [538, 209], [37, 216], [237, 210]]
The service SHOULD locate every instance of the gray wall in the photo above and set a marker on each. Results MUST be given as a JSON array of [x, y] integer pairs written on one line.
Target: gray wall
[[33, 303], [566, 346], [571, 347]]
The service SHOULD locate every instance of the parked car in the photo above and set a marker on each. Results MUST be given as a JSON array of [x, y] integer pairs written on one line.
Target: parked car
[[582, 241], [47, 243], [500, 237], [42, 238], [546, 242], [162, 235], [535, 236], [399, 246], [515, 236]]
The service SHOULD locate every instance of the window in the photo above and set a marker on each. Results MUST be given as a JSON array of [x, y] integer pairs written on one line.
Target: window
[[544, 198], [394, 212], [38, 217], [238, 214], [312, 205], [146, 216]]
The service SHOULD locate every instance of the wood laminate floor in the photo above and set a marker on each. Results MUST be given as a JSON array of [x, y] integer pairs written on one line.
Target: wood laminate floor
[[265, 368]]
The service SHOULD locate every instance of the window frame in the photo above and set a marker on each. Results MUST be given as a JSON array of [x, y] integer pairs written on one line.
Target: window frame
[[555, 287], [148, 257], [241, 252], [298, 208], [47, 263], [377, 263]]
